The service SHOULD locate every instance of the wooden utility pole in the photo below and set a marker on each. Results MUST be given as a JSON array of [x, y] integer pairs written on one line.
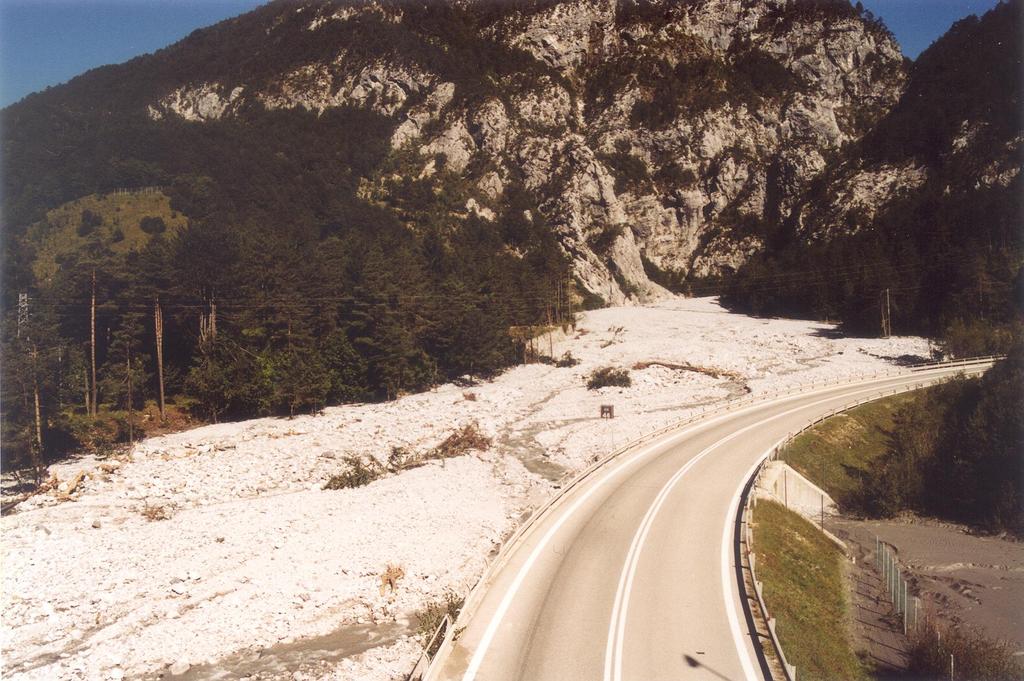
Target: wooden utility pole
[[88, 409], [38, 458], [131, 405], [881, 302], [158, 327], [60, 378], [92, 341], [886, 315]]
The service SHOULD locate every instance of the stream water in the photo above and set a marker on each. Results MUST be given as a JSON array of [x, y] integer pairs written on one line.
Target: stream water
[[282, 659]]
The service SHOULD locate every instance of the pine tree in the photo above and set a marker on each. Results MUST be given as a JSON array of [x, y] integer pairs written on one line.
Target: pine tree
[[126, 348]]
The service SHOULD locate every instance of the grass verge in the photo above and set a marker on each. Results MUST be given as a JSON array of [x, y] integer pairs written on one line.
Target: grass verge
[[831, 453], [802, 576]]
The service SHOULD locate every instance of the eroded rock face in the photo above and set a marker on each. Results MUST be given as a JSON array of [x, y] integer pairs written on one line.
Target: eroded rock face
[[381, 87], [859, 196], [684, 128], [206, 102]]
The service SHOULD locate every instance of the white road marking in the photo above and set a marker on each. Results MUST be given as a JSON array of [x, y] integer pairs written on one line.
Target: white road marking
[[620, 609], [617, 626], [506, 602], [727, 544]]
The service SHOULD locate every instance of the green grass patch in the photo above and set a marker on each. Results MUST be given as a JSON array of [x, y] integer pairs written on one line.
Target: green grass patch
[[831, 453], [121, 222], [802, 576]]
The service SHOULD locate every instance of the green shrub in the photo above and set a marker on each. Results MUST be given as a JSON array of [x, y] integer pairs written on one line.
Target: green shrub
[[673, 280], [609, 377], [401, 458], [628, 287], [974, 655], [676, 176], [463, 440], [973, 338], [567, 360], [763, 74], [89, 222], [954, 452], [630, 172], [429, 619], [359, 473], [100, 436], [590, 300], [152, 225]]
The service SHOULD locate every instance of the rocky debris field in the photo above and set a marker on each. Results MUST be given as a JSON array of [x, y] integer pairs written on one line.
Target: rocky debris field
[[217, 552]]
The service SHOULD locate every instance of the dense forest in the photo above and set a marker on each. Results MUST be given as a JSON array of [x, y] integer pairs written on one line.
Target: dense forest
[[239, 267], [272, 261], [265, 321], [948, 254], [955, 452]]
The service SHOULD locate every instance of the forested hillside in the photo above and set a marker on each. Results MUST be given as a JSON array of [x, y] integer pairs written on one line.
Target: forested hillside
[[328, 201], [284, 292], [320, 202], [267, 320], [926, 208], [955, 452]]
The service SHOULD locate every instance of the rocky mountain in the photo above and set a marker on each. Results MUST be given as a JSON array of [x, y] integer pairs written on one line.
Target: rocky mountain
[[957, 122], [659, 140], [926, 205], [321, 201]]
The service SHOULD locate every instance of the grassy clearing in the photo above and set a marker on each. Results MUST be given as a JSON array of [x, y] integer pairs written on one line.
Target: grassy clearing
[[832, 453], [119, 226], [802, 575]]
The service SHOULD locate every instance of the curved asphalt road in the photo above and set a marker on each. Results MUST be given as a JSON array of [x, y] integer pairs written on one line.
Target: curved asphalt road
[[633, 571]]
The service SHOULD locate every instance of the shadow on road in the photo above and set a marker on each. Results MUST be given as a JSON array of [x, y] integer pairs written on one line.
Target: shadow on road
[[697, 664]]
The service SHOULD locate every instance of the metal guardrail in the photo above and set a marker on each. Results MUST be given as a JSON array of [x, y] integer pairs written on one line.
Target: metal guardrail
[[570, 481], [442, 634], [748, 503]]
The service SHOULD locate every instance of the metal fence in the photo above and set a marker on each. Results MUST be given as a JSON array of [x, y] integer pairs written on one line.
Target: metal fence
[[891, 572], [896, 586], [570, 481]]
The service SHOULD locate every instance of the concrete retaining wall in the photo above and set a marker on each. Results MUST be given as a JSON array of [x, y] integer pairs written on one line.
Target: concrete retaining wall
[[784, 484]]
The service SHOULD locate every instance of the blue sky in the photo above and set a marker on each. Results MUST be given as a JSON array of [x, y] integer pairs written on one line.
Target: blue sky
[[47, 42], [918, 23]]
